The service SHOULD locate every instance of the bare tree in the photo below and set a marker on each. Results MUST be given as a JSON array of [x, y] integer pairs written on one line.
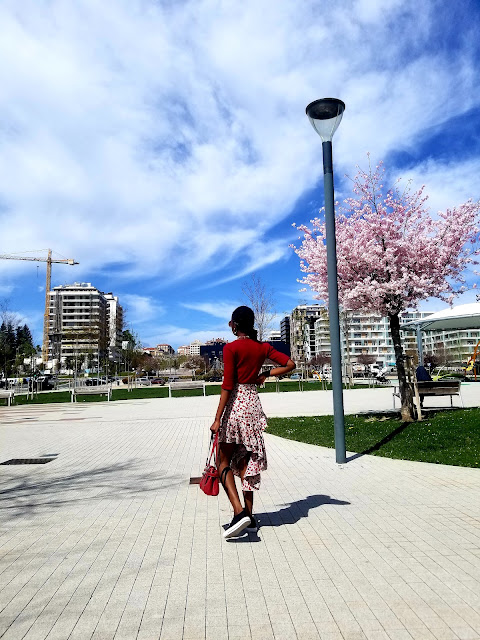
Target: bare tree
[[320, 360], [261, 300], [431, 360], [195, 363]]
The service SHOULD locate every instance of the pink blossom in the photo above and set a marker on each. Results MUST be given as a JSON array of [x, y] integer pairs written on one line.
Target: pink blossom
[[391, 252]]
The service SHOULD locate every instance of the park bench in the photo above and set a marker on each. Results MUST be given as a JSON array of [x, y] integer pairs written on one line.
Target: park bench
[[8, 395], [91, 391], [186, 384], [434, 388]]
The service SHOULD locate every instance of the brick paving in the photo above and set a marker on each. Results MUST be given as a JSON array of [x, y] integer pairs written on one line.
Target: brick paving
[[109, 540]]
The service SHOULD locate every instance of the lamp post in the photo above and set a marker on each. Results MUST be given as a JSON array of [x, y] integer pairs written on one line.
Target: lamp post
[[325, 116]]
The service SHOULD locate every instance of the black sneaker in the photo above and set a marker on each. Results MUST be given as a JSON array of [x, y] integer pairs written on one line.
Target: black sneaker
[[237, 525], [253, 526]]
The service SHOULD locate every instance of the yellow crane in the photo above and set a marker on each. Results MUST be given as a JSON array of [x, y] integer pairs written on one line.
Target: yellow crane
[[46, 318]]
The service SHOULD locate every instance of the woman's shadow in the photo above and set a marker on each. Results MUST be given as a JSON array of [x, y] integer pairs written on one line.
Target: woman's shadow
[[287, 515]]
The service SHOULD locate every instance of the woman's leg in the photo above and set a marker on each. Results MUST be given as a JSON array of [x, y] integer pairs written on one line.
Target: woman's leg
[[248, 498], [226, 450], [247, 495]]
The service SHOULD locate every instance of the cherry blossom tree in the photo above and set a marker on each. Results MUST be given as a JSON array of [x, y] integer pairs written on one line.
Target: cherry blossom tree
[[392, 253]]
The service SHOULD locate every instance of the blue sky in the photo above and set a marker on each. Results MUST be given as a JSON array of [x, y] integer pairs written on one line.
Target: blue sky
[[165, 147]]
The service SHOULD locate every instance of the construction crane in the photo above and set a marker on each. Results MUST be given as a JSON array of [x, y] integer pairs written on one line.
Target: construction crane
[[46, 318]]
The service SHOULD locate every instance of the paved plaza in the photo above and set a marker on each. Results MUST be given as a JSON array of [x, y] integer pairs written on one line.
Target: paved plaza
[[110, 539]]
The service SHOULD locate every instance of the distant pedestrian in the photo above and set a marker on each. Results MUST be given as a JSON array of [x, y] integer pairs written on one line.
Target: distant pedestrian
[[240, 420], [422, 374]]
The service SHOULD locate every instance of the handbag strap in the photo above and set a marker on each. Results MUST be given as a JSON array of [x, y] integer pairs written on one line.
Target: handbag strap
[[214, 441]]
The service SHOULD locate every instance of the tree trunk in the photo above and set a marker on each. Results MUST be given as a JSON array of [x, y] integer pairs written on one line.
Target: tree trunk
[[406, 394], [346, 328]]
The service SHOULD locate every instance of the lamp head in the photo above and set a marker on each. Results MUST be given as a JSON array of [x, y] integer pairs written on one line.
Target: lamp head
[[325, 116]]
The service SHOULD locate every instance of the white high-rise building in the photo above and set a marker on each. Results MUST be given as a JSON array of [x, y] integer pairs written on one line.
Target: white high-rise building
[[195, 348], [302, 330], [453, 347], [274, 334], [83, 322], [369, 333], [115, 326]]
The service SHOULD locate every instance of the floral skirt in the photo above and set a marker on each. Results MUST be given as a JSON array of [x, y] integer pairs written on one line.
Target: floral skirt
[[243, 423]]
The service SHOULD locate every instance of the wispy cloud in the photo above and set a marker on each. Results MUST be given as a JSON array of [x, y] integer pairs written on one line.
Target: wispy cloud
[[171, 137], [6, 289], [140, 309], [221, 310]]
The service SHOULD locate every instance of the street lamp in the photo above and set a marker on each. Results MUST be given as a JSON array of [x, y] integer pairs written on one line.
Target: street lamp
[[325, 116]]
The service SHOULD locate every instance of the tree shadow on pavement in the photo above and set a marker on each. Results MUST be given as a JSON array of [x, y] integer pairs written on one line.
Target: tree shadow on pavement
[[39, 492], [378, 445]]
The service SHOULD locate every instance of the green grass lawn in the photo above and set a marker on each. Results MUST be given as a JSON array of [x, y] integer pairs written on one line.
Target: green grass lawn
[[292, 385], [44, 398], [443, 437]]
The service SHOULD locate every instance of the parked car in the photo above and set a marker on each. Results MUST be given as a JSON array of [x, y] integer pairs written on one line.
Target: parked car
[[158, 381], [93, 382], [45, 383], [295, 376], [213, 379]]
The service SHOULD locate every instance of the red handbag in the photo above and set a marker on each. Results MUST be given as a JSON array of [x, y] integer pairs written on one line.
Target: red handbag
[[209, 481]]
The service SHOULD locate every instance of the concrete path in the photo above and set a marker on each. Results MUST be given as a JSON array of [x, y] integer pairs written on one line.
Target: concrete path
[[109, 539]]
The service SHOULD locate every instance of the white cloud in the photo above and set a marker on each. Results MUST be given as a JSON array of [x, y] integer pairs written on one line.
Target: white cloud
[[172, 137], [6, 289], [140, 309], [447, 184], [221, 310]]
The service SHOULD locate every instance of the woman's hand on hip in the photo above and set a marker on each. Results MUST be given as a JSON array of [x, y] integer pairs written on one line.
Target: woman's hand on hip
[[261, 379], [215, 426]]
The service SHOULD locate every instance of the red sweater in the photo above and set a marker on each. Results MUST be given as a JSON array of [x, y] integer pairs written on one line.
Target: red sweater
[[243, 359]]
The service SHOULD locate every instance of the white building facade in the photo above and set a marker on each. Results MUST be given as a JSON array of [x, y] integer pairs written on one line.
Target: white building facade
[[369, 333], [115, 326], [302, 330], [83, 322]]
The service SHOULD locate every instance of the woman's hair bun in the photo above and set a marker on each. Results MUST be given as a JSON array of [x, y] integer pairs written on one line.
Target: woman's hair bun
[[244, 318]]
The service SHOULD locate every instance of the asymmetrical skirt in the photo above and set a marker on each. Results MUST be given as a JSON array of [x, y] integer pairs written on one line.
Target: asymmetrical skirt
[[243, 423]]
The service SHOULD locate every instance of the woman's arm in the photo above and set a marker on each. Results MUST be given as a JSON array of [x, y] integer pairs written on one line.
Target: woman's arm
[[278, 372], [224, 396]]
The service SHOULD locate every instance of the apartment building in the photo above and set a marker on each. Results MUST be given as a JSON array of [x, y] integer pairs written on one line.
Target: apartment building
[[285, 329], [198, 348], [454, 348], [164, 349], [115, 326], [195, 348], [274, 335], [212, 350], [184, 350], [83, 321], [302, 330], [366, 333], [369, 333]]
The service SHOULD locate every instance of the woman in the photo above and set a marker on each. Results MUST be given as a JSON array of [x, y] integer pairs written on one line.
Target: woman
[[240, 420]]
